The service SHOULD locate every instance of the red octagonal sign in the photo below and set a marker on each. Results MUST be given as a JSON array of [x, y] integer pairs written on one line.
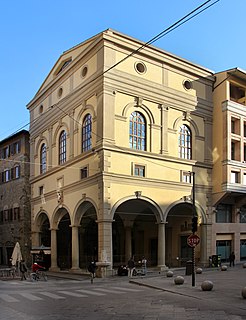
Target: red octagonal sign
[[193, 240]]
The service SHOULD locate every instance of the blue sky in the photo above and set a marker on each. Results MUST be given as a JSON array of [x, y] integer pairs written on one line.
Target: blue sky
[[34, 33]]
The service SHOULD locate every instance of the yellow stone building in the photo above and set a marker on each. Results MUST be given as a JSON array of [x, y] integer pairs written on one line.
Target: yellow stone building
[[120, 132]]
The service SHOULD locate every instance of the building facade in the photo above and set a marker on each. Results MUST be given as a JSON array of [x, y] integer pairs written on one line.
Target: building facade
[[229, 169], [119, 137], [15, 209]]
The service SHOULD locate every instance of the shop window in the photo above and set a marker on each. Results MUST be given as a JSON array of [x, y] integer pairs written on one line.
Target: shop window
[[243, 249], [223, 248]]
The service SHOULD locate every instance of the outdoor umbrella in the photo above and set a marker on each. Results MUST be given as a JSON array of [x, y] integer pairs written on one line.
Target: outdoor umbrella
[[16, 255]]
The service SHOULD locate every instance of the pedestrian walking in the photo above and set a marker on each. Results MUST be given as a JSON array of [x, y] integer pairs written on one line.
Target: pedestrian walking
[[144, 265], [131, 267], [92, 269], [232, 259], [23, 269]]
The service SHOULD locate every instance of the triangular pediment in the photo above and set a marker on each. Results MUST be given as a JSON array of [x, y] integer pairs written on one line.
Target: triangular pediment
[[66, 60]]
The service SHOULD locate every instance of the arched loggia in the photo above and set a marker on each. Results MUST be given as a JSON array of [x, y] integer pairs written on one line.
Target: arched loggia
[[135, 231]]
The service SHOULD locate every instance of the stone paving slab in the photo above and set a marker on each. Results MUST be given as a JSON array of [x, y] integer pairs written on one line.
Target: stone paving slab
[[227, 286]]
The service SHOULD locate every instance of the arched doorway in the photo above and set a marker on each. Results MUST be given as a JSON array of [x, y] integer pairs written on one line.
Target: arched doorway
[[135, 231], [45, 237], [178, 228], [85, 220], [64, 242]]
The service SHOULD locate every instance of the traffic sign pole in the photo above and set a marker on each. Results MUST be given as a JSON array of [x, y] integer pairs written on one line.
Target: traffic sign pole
[[193, 248]]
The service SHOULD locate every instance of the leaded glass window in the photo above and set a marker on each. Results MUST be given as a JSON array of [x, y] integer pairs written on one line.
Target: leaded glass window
[[62, 147], [184, 142], [137, 138], [86, 133], [43, 158]]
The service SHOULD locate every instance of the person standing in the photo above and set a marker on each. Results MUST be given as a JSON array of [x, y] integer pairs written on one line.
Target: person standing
[[144, 266], [131, 267], [232, 259], [23, 269]]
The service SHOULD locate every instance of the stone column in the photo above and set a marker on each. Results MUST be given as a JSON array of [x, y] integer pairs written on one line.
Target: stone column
[[54, 266], [105, 246], [128, 243], [75, 248], [203, 245], [161, 246]]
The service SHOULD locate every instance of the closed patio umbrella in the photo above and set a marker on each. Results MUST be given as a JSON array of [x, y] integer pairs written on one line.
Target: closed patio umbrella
[[16, 255]]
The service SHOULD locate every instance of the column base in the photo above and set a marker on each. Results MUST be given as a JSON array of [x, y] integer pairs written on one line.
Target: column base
[[75, 269], [55, 269], [102, 269], [162, 267]]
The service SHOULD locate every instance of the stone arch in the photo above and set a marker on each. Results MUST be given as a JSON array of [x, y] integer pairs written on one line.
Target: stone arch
[[135, 226], [85, 204], [58, 130], [39, 219], [57, 215], [189, 122], [199, 210], [143, 109], [158, 212], [39, 143], [86, 109]]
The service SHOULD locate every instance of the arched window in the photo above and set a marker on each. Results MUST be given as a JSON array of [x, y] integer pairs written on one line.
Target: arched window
[[43, 156], [137, 134], [184, 142], [62, 147], [86, 133]]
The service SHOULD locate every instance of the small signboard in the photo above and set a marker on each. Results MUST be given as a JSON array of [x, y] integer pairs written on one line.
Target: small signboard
[[193, 240]]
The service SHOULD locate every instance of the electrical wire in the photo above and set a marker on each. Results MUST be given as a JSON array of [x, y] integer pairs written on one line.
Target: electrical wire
[[152, 40], [174, 26]]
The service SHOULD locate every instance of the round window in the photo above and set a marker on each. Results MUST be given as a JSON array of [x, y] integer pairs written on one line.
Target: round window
[[187, 84], [140, 67], [84, 71]]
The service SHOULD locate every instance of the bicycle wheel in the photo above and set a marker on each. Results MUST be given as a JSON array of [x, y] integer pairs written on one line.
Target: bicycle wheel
[[33, 276], [43, 276]]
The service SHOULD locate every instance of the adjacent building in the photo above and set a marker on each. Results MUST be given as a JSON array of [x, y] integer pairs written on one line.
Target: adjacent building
[[229, 164], [121, 156], [15, 213]]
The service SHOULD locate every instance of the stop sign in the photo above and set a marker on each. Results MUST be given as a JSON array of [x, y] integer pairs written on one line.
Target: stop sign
[[193, 240]]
